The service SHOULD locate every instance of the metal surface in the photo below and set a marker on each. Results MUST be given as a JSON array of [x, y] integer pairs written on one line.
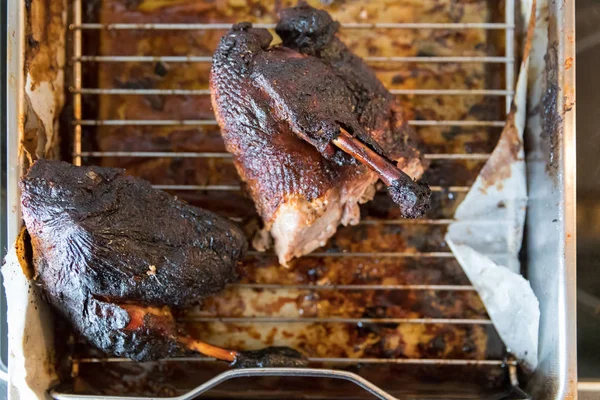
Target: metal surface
[[212, 122], [324, 320], [549, 265], [217, 26], [206, 59], [206, 92], [509, 69], [77, 81], [329, 360], [451, 288], [15, 111], [551, 221], [589, 386], [167, 154], [3, 242], [237, 188], [156, 154]]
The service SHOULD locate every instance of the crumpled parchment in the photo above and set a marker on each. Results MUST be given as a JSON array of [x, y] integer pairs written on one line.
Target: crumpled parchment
[[488, 229], [31, 365]]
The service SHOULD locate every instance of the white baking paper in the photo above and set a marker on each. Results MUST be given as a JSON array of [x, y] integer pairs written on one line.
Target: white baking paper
[[488, 230], [30, 365]]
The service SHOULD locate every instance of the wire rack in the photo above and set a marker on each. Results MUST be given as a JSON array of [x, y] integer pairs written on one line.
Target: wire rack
[[80, 60]]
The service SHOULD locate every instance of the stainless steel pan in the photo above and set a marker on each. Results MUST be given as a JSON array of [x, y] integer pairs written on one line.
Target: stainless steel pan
[[550, 227]]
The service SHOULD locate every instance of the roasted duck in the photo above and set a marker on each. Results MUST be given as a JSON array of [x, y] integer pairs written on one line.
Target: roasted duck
[[114, 256], [311, 130]]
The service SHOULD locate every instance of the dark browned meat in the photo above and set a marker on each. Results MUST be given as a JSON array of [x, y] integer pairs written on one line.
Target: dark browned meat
[[112, 254], [375, 117], [282, 111]]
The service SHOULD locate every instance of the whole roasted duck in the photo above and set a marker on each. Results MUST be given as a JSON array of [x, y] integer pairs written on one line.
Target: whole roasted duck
[[311, 130], [115, 256]]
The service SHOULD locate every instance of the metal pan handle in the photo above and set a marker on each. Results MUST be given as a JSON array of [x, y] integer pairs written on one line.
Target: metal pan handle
[[245, 373]]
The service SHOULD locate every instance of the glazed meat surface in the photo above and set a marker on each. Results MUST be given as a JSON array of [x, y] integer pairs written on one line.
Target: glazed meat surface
[[112, 254], [281, 107]]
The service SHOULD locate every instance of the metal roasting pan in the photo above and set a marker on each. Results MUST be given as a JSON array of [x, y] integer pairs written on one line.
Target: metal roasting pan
[[548, 256]]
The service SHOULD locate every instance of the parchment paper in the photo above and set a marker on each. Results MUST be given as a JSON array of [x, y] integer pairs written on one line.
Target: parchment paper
[[487, 235], [30, 335]]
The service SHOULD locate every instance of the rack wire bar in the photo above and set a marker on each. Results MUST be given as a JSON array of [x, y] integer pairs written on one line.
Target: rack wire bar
[[237, 188], [333, 360], [212, 122], [336, 320], [458, 156], [208, 59], [509, 17], [154, 154], [423, 221], [431, 254], [344, 25], [276, 286], [391, 254], [406, 221], [204, 92], [183, 154], [77, 81]]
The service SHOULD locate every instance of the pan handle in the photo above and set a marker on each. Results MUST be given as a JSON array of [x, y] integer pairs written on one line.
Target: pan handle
[[245, 373]]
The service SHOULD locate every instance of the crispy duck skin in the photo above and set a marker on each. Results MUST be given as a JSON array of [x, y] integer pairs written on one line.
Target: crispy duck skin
[[377, 119], [297, 192], [282, 112], [113, 255]]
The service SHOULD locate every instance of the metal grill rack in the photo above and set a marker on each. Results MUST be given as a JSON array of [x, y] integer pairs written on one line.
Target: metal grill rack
[[80, 60]]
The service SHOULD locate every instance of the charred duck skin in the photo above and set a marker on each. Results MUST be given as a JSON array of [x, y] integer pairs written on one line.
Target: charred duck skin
[[114, 255], [311, 129], [375, 117]]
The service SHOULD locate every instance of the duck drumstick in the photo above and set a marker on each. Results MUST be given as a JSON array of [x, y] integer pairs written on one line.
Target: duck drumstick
[[413, 197], [267, 357]]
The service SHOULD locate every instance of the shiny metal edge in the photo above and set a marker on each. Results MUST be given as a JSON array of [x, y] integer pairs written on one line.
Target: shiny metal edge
[[551, 228], [567, 360], [569, 302], [250, 372], [15, 112], [589, 386], [15, 91]]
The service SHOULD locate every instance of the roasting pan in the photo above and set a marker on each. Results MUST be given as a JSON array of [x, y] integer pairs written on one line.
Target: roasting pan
[[384, 307]]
